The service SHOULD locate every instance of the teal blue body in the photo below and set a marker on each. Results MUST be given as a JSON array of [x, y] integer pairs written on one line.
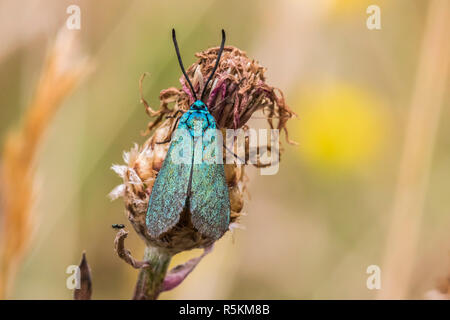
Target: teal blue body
[[196, 182]]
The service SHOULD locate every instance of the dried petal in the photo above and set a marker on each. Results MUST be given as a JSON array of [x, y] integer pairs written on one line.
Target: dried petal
[[125, 254], [120, 170], [117, 192]]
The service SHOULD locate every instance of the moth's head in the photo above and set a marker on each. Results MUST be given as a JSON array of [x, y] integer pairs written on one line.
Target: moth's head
[[199, 105]]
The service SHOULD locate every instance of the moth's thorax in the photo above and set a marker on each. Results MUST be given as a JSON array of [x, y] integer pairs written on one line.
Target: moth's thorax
[[197, 119]]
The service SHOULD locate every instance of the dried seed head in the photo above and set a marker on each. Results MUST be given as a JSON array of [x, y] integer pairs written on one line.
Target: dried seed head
[[237, 90]]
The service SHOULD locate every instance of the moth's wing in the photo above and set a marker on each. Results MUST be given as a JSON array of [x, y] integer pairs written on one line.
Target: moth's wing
[[209, 198], [170, 190]]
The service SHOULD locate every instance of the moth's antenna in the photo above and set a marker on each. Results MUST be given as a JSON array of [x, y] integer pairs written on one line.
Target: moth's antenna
[[216, 65], [174, 38]]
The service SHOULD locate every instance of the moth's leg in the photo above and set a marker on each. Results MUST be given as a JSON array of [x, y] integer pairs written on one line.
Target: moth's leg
[[235, 155], [164, 141], [148, 109], [175, 114]]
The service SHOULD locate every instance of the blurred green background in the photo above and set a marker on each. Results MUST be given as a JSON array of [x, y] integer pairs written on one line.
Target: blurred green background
[[313, 228]]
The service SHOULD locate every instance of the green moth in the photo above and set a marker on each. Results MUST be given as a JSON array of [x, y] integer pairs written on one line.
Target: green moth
[[192, 176]]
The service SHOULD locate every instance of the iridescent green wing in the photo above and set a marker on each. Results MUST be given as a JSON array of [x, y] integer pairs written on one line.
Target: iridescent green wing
[[209, 199], [170, 190]]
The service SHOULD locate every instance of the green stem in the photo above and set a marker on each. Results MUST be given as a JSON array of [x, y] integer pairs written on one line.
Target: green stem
[[150, 279]]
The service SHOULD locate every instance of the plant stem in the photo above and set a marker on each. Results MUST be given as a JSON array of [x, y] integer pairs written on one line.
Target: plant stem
[[150, 279], [430, 89]]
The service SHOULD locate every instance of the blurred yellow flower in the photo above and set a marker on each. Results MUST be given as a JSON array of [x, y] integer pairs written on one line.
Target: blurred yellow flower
[[341, 127]]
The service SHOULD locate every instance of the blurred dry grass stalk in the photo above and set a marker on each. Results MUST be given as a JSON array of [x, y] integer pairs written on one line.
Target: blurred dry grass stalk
[[237, 90], [64, 67], [420, 135]]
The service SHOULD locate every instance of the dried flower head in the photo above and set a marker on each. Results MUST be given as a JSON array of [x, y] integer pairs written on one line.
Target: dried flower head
[[237, 91]]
